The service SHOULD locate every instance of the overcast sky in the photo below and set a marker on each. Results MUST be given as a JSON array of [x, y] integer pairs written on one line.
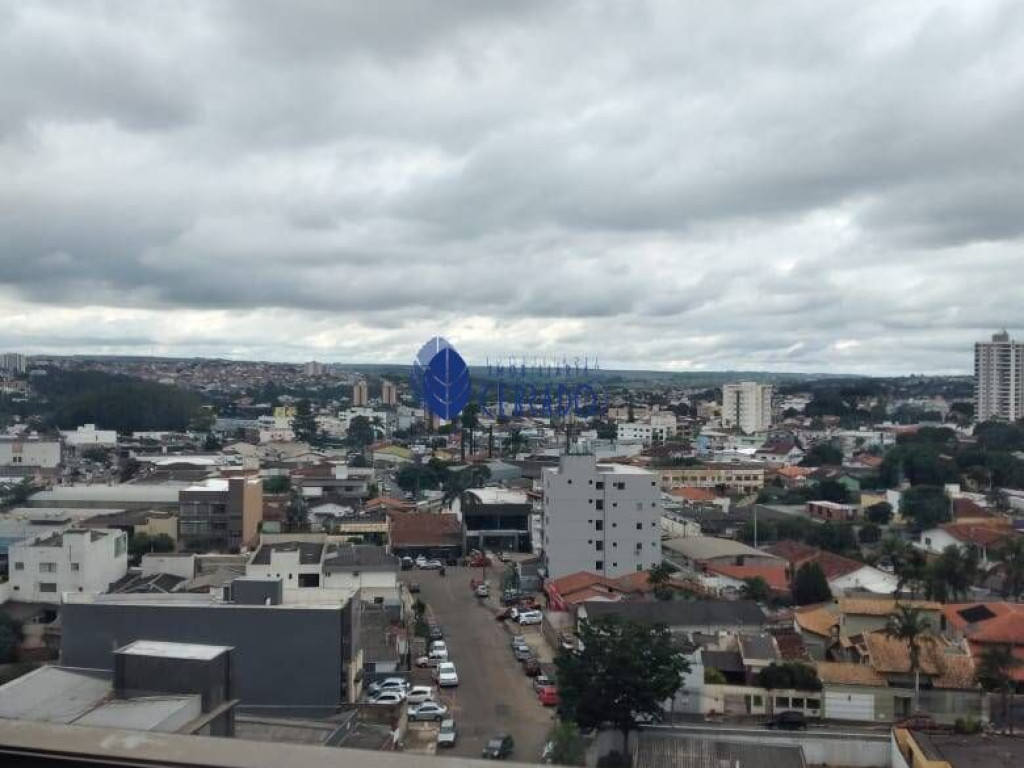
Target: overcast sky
[[792, 186]]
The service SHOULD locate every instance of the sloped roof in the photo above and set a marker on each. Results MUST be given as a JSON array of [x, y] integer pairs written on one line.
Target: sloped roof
[[963, 615], [574, 582], [817, 620], [707, 613], [948, 669], [882, 606], [1008, 628], [793, 551], [424, 529], [848, 673], [774, 575], [690, 493], [964, 507], [984, 535]]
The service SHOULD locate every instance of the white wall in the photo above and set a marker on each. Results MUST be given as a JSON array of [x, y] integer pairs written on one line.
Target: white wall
[[87, 435], [79, 564], [179, 565], [30, 453]]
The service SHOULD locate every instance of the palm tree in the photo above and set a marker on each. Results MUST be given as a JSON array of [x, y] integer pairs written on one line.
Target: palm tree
[[1011, 562], [909, 625], [995, 668]]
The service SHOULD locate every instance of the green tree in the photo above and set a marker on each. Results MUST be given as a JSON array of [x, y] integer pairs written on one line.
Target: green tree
[[925, 506], [420, 626], [1011, 566], [658, 577], [143, 543], [869, 533], [789, 674], [277, 484], [995, 673], [360, 433], [810, 585], [833, 490], [211, 443], [304, 424], [880, 513], [909, 625], [567, 746], [952, 574], [821, 455], [756, 588], [624, 671]]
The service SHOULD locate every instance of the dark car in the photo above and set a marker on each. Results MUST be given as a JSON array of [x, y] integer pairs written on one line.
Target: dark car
[[531, 667], [499, 747], [788, 721], [436, 632], [919, 721], [414, 587]]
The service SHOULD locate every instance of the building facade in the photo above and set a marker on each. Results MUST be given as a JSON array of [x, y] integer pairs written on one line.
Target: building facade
[[496, 519], [360, 394], [659, 428], [601, 518], [747, 406], [999, 379], [730, 476], [29, 453], [77, 560], [388, 393], [220, 514]]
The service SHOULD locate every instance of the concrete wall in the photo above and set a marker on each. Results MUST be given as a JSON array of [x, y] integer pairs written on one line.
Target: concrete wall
[[78, 565], [283, 656], [30, 453]]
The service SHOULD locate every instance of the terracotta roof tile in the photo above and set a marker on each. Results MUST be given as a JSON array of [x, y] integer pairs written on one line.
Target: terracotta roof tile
[[818, 620], [1008, 628], [690, 493], [881, 606], [774, 575], [574, 582], [848, 673], [424, 529], [964, 507], [948, 669], [984, 535]]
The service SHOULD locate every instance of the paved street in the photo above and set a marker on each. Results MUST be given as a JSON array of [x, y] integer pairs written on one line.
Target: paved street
[[493, 694]]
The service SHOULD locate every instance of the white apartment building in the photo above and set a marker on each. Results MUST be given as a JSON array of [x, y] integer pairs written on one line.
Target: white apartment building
[[747, 406], [313, 368], [999, 379], [658, 428], [86, 560], [602, 518], [13, 362], [87, 436], [360, 393], [34, 452]]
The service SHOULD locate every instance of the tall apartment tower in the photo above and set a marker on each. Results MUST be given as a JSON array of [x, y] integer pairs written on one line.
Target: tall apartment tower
[[388, 392], [999, 379], [601, 518], [12, 362], [313, 368], [747, 406], [360, 394]]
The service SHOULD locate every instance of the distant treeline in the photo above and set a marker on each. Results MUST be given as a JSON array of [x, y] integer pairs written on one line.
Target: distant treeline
[[114, 402]]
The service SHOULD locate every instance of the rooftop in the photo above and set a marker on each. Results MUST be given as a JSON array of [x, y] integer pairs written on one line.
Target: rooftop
[[684, 752], [972, 751], [164, 493], [498, 496], [708, 547], [309, 552], [188, 651], [695, 613]]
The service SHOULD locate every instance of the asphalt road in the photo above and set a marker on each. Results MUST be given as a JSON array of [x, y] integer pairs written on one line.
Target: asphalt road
[[493, 693]]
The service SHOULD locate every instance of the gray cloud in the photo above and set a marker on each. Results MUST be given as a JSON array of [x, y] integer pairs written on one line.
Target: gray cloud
[[659, 183]]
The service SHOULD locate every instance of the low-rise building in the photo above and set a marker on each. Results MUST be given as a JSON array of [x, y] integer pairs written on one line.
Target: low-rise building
[[26, 455], [87, 436], [831, 511], [74, 560], [843, 574], [698, 553], [983, 538], [496, 519], [220, 514], [728, 476]]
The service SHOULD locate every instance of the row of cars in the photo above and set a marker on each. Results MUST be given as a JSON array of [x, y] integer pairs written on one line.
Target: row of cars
[[421, 702], [547, 692]]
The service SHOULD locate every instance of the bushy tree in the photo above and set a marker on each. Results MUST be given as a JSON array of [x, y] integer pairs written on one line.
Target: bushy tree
[[869, 533], [995, 673], [1011, 565], [821, 455], [925, 506], [880, 513], [756, 588], [277, 484], [623, 670], [909, 625], [304, 424], [567, 746], [810, 585], [789, 674]]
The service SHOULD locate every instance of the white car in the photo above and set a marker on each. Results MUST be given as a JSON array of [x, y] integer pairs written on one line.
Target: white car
[[429, 710], [431, 565], [437, 655], [447, 734], [530, 617], [420, 694], [388, 697], [439, 645], [446, 675], [399, 684]]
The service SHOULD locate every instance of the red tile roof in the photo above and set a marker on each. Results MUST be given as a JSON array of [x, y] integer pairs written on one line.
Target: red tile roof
[[963, 507], [424, 529], [983, 535], [868, 460], [793, 551], [1006, 629], [689, 493], [797, 554], [774, 575], [574, 582]]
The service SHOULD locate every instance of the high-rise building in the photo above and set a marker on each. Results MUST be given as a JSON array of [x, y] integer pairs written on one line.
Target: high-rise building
[[360, 394], [313, 368], [388, 392], [601, 518], [12, 362], [999, 379], [747, 406]]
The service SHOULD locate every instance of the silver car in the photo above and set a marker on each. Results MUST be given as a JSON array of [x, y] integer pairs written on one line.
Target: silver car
[[447, 735]]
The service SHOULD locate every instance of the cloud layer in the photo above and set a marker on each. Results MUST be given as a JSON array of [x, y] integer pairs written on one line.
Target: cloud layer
[[821, 186]]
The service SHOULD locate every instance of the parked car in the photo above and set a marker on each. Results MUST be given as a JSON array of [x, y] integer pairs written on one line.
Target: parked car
[[438, 655], [390, 684], [447, 735], [530, 617], [414, 587], [511, 596], [499, 747], [438, 645], [407, 563], [428, 710], [436, 632], [919, 721], [427, 661], [420, 561], [518, 640], [446, 675], [522, 653], [541, 681], [568, 642], [790, 720], [420, 693], [531, 667], [482, 590], [432, 565], [387, 697], [548, 696]]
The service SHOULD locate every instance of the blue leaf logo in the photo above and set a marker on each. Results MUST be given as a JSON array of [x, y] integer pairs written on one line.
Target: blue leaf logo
[[445, 383]]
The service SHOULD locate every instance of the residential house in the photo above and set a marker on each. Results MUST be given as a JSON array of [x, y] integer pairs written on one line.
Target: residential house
[[696, 553], [728, 579], [568, 591], [73, 560], [683, 616], [984, 625], [425, 533], [843, 574], [785, 453], [830, 511], [983, 538]]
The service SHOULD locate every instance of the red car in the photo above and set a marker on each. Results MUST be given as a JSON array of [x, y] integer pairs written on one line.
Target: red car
[[548, 696]]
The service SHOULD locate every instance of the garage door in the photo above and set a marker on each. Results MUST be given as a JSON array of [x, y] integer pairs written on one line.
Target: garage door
[[849, 706]]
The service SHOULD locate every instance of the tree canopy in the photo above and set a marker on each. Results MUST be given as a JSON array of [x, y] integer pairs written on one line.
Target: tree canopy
[[789, 674], [822, 454], [621, 671], [810, 585], [925, 506]]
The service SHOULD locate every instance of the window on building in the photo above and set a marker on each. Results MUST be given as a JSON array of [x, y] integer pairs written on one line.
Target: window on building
[[599, 485], [639, 566], [814, 703], [76, 566], [47, 567], [599, 546], [599, 565], [19, 566], [639, 526], [615, 565], [758, 701], [798, 703], [45, 586], [639, 546], [620, 486], [599, 524], [782, 701], [600, 503]]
